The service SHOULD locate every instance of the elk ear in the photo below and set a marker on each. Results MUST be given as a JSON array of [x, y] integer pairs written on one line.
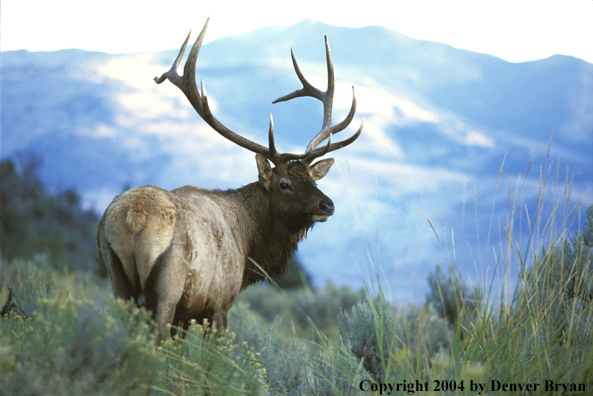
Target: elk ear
[[320, 168], [264, 169]]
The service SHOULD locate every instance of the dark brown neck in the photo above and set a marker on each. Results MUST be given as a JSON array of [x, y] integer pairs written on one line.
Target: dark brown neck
[[271, 243]]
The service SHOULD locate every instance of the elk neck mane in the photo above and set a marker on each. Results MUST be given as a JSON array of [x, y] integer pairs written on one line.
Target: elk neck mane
[[271, 243]]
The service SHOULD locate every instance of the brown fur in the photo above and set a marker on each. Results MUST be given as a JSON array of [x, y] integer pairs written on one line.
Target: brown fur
[[187, 253]]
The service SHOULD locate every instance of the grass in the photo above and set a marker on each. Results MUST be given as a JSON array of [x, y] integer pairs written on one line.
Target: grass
[[531, 337]]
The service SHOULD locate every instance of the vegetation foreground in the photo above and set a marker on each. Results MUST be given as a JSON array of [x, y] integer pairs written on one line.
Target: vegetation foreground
[[62, 332]]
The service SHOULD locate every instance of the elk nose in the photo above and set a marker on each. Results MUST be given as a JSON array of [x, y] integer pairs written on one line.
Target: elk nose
[[326, 206]]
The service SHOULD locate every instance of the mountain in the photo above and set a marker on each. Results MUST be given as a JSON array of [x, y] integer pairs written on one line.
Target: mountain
[[449, 135]]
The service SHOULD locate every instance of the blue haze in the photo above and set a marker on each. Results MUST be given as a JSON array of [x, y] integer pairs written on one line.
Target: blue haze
[[444, 122]]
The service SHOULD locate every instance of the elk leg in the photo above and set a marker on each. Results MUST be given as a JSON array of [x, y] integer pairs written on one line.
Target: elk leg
[[164, 289], [163, 315], [219, 319], [122, 286]]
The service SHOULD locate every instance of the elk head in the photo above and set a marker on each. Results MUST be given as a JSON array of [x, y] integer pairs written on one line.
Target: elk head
[[293, 178]]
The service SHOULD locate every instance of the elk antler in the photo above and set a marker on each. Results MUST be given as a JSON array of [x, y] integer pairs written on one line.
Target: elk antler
[[327, 98], [199, 101]]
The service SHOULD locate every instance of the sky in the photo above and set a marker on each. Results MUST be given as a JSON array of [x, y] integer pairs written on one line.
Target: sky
[[515, 30]]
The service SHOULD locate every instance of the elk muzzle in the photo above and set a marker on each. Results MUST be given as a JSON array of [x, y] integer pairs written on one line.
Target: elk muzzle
[[325, 208]]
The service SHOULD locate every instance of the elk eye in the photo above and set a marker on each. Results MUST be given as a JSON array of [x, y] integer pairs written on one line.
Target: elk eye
[[284, 186]]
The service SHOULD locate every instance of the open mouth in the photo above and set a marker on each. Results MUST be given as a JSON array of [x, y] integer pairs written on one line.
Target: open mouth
[[318, 218]]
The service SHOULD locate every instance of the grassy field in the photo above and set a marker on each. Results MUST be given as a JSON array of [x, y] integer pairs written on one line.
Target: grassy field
[[66, 335]]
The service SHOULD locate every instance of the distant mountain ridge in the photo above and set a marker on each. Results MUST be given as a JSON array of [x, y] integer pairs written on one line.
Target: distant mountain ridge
[[439, 122]]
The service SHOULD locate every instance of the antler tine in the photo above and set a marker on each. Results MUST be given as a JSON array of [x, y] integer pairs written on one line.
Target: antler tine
[[328, 104], [273, 152], [326, 97], [332, 147], [187, 84], [172, 73], [307, 90]]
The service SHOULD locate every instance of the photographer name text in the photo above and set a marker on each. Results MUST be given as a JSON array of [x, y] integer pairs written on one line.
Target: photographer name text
[[479, 388]]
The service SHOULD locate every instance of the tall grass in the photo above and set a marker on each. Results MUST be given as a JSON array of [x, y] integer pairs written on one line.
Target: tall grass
[[538, 330]]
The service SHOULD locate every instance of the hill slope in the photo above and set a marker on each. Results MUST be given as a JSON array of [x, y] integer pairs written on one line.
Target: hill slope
[[439, 123]]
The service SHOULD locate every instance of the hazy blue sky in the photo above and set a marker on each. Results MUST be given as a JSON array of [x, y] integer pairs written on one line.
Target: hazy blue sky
[[515, 30]]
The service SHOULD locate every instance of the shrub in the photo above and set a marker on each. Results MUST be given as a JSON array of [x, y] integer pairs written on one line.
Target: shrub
[[283, 360], [297, 306], [393, 343], [568, 268], [74, 347], [335, 371], [322, 306], [370, 333], [424, 333], [206, 362], [295, 276], [450, 296], [293, 366], [71, 345]]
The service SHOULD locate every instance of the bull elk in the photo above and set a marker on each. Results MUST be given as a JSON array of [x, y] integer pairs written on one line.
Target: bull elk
[[187, 253]]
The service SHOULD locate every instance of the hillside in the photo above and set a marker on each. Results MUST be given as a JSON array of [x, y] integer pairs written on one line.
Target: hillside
[[439, 124]]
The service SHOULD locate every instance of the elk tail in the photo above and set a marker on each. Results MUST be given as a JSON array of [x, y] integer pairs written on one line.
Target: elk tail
[[135, 221]]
